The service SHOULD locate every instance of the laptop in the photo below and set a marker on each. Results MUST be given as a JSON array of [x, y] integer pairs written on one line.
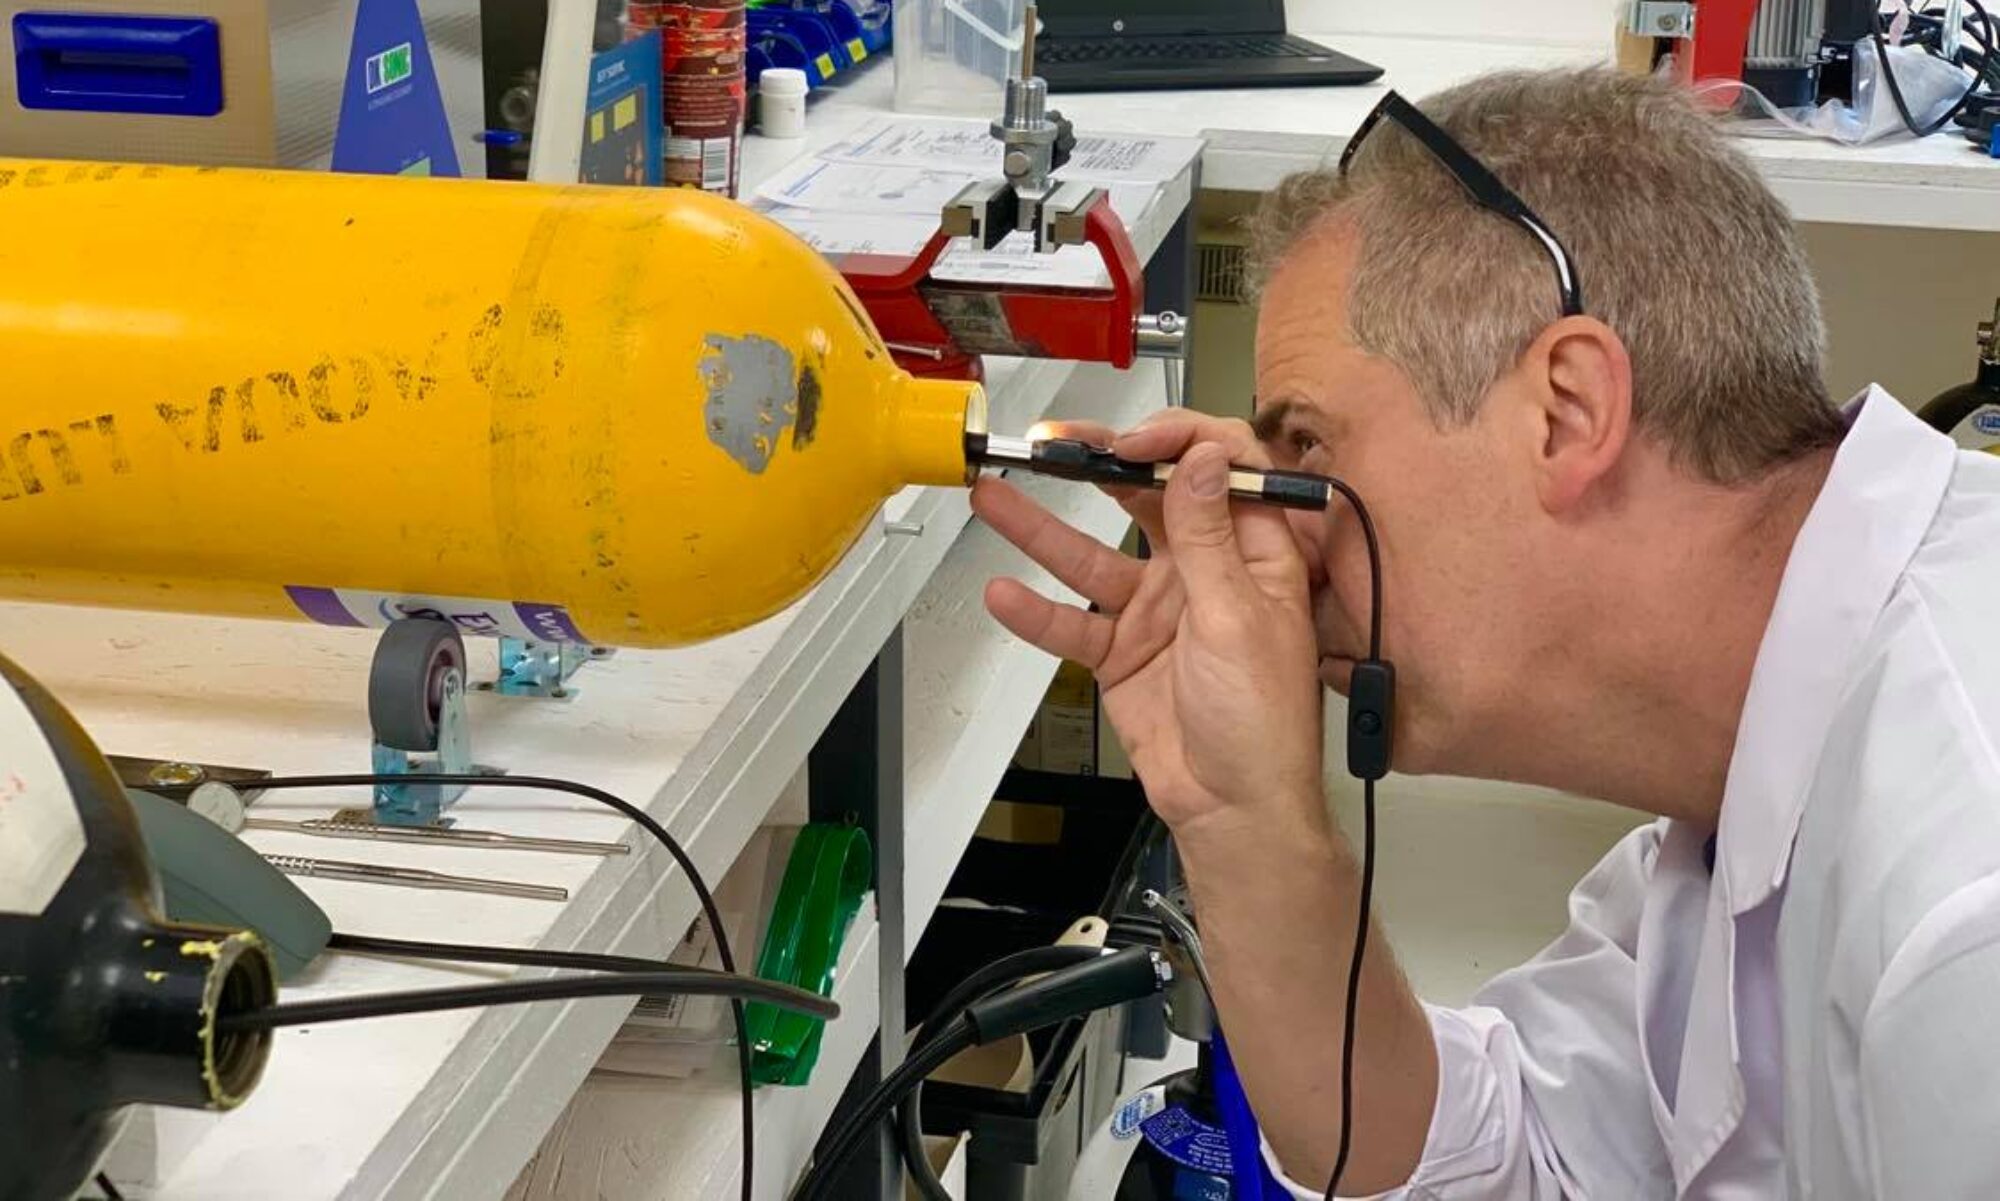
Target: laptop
[[1153, 45]]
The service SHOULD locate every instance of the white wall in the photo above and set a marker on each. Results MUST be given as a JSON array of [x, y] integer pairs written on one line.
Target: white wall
[[1523, 20], [1903, 305]]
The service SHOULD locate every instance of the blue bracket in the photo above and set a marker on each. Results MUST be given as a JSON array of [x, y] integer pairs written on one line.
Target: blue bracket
[[417, 803], [540, 668]]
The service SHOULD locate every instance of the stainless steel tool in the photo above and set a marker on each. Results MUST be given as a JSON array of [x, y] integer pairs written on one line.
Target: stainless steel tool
[[409, 877], [455, 836]]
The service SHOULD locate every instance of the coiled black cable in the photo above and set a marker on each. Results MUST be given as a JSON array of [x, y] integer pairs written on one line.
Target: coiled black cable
[[996, 975]]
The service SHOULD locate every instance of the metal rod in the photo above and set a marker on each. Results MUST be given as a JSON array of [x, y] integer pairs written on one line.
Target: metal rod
[[436, 836], [1028, 45], [410, 877]]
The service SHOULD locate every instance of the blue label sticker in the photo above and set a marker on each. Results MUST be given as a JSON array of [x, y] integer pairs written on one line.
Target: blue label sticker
[[1987, 421], [1127, 1118], [1189, 1141], [1200, 1186], [622, 125], [392, 118]]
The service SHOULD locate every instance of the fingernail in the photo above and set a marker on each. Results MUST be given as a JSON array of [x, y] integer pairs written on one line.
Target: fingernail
[[1208, 472]]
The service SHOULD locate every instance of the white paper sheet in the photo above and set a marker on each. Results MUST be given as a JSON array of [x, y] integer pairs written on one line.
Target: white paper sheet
[[966, 145], [858, 189], [832, 230], [880, 192]]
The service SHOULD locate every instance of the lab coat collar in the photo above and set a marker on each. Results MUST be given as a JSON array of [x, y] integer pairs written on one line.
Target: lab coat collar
[[1887, 481]]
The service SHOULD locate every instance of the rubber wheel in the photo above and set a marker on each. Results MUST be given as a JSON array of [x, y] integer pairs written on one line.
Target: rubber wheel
[[406, 681]]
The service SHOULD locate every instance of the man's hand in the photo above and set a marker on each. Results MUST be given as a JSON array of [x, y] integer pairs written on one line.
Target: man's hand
[[1205, 653]]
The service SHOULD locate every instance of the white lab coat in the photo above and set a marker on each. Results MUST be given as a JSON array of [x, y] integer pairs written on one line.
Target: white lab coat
[[1819, 1014]]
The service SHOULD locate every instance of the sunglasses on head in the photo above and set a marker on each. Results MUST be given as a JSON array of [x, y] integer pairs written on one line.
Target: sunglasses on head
[[1480, 183]]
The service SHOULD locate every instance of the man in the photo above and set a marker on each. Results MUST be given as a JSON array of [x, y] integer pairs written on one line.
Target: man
[[1630, 549]]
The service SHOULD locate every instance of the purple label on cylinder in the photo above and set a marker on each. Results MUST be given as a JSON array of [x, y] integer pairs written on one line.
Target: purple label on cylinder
[[550, 623], [356, 607], [322, 605]]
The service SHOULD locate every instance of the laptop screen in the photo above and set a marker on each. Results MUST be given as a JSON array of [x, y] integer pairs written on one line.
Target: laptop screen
[[1109, 18]]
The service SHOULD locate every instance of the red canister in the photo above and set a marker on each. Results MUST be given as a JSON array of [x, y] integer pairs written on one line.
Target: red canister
[[703, 55]]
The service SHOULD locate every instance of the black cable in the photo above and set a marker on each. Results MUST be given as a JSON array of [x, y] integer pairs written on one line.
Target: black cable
[[995, 975], [1984, 32], [645, 820], [369, 944], [687, 981], [1082, 988], [109, 1189], [1354, 988], [1374, 565], [1355, 964], [923, 1060]]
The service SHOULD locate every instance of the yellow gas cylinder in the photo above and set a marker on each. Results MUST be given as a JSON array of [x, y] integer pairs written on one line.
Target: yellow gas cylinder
[[633, 417]]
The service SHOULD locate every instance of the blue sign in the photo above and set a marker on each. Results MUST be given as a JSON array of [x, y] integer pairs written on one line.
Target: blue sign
[[392, 118], [622, 122]]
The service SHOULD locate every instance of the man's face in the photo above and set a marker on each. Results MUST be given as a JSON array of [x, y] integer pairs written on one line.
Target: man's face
[[1447, 506]]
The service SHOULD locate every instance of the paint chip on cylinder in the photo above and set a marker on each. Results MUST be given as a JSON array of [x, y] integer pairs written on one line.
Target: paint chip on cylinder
[[752, 396]]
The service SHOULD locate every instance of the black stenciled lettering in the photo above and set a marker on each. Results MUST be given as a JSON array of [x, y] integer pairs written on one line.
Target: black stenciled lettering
[[105, 426], [181, 420], [320, 385], [107, 430], [412, 381], [482, 345], [60, 458], [290, 403], [248, 427], [364, 387]]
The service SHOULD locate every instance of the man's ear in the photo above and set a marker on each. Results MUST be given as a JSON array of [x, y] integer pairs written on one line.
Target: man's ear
[[1580, 379]]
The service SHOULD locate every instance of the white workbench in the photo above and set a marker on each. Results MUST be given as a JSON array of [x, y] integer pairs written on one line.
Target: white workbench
[[452, 1105], [1258, 136]]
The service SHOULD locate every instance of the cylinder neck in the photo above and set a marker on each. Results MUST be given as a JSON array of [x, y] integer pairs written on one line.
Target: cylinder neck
[[928, 420], [165, 990]]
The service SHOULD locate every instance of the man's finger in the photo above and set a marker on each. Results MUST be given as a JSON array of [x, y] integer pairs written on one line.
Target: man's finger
[[1143, 506], [1095, 571], [1201, 531], [1064, 631], [1167, 436]]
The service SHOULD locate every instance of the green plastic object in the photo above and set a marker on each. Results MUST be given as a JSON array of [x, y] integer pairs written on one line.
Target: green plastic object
[[830, 869], [210, 877]]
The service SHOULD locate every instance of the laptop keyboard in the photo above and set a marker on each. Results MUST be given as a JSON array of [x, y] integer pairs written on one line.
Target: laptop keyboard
[[1171, 50]]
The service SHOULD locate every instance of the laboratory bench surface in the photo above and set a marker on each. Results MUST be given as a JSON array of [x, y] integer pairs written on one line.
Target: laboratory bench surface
[[1258, 136]]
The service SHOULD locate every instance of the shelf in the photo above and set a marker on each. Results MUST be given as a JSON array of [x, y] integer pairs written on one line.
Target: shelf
[[1257, 136], [970, 686], [643, 1137]]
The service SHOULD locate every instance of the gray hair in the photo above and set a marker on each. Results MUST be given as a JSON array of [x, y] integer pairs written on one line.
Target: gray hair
[[1679, 248]]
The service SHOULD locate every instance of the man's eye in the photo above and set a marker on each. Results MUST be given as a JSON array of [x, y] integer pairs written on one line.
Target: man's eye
[[1301, 443]]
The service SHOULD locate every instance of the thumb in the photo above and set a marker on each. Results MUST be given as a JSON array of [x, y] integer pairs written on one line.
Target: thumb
[[1200, 529]]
